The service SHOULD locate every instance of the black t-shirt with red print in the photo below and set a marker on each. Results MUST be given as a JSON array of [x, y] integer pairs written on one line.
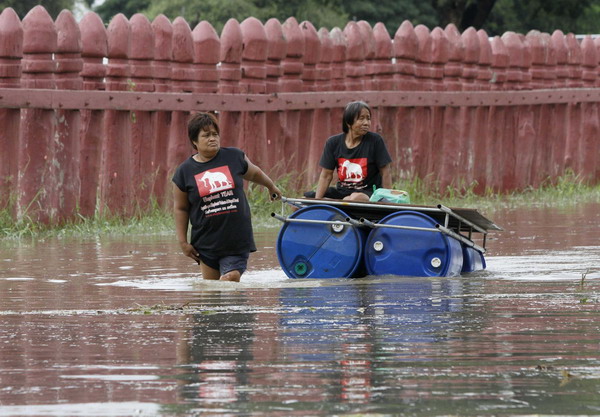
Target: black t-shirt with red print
[[219, 210], [358, 168]]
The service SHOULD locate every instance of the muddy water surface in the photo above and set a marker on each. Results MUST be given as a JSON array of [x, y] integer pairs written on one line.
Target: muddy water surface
[[124, 326]]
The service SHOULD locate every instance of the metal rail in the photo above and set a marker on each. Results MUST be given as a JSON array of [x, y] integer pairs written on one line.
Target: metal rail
[[461, 238], [440, 208], [450, 212], [368, 223], [353, 222], [438, 228], [296, 201], [293, 220]]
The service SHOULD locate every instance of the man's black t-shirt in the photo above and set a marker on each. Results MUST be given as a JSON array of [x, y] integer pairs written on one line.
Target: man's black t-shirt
[[358, 168], [219, 210]]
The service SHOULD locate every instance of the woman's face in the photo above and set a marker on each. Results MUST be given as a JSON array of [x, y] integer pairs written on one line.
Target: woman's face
[[208, 141], [362, 124]]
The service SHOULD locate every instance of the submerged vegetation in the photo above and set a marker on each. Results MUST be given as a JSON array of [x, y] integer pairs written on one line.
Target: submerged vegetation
[[567, 190]]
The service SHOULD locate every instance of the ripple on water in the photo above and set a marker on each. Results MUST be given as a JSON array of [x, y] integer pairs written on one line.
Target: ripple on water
[[101, 409], [564, 265]]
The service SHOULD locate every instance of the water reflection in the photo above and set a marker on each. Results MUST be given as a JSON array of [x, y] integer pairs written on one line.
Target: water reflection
[[389, 311], [217, 348], [328, 344], [355, 327]]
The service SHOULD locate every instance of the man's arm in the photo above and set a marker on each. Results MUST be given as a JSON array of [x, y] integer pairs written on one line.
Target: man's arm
[[256, 175], [324, 181], [386, 176]]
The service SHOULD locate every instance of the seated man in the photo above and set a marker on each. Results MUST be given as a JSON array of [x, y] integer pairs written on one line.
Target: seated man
[[359, 156]]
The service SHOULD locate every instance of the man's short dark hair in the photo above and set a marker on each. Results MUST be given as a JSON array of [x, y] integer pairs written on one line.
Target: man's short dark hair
[[351, 113]]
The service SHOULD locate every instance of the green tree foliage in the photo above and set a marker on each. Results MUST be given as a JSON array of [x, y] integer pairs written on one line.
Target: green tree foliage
[[321, 13], [521, 16], [462, 13], [22, 7], [393, 12], [495, 16], [110, 8], [589, 22], [217, 12]]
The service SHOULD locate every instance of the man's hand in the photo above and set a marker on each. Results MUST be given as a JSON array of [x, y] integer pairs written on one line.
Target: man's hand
[[189, 251], [274, 193]]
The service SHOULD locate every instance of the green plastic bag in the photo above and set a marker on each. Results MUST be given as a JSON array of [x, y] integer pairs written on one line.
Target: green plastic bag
[[386, 195]]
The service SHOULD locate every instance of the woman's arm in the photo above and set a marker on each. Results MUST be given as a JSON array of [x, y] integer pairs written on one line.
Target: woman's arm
[[386, 176], [324, 181], [182, 217], [256, 175]]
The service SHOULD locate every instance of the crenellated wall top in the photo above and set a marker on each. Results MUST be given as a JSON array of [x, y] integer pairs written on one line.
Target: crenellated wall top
[[358, 56]]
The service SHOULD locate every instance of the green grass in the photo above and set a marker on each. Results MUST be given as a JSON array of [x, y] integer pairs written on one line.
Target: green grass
[[564, 191], [153, 220]]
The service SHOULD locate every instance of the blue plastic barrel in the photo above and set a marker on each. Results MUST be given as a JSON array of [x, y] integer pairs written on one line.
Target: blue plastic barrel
[[473, 259], [412, 252], [320, 250]]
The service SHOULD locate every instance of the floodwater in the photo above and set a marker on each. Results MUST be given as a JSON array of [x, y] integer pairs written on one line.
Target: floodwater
[[123, 326]]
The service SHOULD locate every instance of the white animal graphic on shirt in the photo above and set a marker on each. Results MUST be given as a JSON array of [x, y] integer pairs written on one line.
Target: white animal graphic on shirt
[[215, 180], [353, 172]]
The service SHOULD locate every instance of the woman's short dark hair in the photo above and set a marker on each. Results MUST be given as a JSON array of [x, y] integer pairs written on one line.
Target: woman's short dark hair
[[351, 113], [201, 121]]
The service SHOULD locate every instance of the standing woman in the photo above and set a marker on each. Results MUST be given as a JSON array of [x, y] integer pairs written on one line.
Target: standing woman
[[209, 194], [359, 156]]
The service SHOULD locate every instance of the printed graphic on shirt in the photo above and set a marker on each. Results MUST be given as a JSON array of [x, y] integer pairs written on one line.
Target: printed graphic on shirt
[[213, 180], [216, 189], [352, 170]]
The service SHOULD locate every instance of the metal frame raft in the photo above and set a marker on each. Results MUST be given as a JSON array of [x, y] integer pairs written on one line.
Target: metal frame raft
[[459, 223]]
